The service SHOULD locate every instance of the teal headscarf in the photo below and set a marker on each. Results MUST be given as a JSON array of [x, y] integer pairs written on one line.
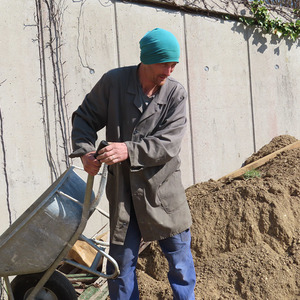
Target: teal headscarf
[[159, 46]]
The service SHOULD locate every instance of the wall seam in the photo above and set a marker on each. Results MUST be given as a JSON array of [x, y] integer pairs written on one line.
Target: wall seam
[[189, 98], [43, 85], [117, 35], [55, 14], [251, 92]]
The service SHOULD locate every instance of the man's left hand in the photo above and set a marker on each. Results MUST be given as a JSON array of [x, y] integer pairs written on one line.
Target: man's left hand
[[113, 153]]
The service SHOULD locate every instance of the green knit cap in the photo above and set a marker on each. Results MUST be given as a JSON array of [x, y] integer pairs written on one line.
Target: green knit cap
[[159, 46]]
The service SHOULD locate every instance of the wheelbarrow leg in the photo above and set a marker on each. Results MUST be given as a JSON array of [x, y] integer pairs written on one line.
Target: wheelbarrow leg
[[42, 281], [9, 290]]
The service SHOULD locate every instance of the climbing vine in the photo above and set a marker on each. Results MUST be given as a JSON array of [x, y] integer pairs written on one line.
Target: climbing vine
[[228, 10], [263, 19], [49, 18], [5, 170]]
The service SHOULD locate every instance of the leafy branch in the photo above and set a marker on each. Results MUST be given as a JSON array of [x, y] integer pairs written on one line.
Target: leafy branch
[[261, 17]]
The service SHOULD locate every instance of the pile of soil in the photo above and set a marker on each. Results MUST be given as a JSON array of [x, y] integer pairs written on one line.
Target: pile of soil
[[245, 235]]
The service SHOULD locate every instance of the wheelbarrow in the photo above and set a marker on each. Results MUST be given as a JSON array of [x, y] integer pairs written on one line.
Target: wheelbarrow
[[38, 241]]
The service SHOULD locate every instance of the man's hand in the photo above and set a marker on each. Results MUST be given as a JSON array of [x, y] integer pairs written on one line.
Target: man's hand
[[90, 164], [113, 153]]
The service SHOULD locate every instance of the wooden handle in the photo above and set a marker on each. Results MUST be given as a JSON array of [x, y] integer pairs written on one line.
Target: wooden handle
[[259, 162]]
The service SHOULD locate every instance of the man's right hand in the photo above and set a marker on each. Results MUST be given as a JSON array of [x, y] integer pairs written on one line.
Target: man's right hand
[[90, 164]]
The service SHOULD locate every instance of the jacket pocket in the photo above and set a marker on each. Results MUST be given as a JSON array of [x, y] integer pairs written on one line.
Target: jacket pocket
[[171, 193]]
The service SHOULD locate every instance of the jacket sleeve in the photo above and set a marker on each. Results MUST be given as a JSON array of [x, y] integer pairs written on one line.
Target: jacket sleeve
[[164, 142], [89, 118]]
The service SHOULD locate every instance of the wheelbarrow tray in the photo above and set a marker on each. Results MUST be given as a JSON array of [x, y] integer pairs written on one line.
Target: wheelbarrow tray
[[33, 242]]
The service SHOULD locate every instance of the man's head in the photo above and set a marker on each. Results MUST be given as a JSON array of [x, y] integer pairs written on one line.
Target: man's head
[[159, 46], [159, 55]]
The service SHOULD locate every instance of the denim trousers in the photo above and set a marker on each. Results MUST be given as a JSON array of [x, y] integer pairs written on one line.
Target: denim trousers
[[176, 249]]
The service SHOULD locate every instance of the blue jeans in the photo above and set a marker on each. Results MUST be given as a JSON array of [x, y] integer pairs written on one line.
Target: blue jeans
[[177, 250]]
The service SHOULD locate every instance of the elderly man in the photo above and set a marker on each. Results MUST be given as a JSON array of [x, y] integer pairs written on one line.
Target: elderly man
[[143, 111]]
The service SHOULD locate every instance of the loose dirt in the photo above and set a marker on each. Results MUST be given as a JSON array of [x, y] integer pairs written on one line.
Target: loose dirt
[[245, 235]]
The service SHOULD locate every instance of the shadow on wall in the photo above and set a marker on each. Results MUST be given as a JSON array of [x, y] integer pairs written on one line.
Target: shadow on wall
[[259, 38]]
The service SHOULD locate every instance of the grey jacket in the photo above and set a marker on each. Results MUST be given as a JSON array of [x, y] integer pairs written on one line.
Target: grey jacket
[[150, 179]]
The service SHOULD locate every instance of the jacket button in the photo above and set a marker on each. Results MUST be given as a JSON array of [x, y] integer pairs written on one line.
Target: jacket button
[[124, 224]]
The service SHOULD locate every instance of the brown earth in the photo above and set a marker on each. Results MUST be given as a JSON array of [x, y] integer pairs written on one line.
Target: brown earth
[[245, 235]]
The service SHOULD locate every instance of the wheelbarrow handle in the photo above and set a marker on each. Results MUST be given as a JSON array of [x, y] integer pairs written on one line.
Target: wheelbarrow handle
[[102, 145], [90, 179], [90, 183]]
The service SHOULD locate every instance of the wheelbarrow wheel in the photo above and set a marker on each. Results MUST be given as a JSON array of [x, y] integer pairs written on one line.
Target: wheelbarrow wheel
[[58, 287]]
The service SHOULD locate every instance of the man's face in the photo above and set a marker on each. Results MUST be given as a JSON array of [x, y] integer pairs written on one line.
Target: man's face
[[158, 73]]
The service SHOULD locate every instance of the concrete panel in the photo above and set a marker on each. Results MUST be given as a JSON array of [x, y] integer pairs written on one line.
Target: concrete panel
[[90, 47], [275, 73], [91, 50], [23, 152], [133, 22], [77, 52], [220, 96]]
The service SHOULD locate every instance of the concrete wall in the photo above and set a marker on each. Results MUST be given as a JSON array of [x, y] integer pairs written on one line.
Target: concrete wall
[[242, 86]]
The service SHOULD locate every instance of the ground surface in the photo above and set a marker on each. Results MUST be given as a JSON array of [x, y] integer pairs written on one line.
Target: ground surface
[[245, 235]]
